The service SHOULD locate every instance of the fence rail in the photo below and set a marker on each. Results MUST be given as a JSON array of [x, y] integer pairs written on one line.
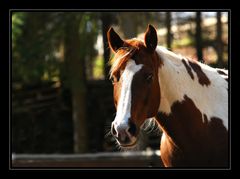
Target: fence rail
[[91, 160]]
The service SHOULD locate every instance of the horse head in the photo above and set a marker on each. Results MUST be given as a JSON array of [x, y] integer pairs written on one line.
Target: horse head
[[134, 74]]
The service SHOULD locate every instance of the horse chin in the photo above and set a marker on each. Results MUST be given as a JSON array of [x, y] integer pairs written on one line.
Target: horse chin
[[131, 145]]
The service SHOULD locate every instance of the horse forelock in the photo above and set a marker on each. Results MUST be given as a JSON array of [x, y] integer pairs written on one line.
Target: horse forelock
[[120, 59], [124, 54]]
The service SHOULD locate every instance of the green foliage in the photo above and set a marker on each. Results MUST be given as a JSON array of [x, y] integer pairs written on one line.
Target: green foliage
[[89, 29], [33, 47], [17, 23], [37, 38], [183, 42], [98, 68]]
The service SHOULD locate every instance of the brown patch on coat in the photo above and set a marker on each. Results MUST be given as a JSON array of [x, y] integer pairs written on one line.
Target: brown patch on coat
[[202, 77], [145, 92], [226, 79], [189, 70], [189, 141], [222, 72]]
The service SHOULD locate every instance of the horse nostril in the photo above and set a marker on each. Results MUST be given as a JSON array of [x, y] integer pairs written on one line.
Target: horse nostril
[[113, 131], [132, 129]]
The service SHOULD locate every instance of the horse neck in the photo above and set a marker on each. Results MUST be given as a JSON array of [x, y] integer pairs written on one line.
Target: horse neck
[[174, 80], [177, 87]]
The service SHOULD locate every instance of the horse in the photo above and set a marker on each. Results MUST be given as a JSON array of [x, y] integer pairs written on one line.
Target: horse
[[188, 100]]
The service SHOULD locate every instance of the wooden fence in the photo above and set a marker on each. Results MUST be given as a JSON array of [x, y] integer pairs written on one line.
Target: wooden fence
[[146, 159], [38, 98], [42, 114]]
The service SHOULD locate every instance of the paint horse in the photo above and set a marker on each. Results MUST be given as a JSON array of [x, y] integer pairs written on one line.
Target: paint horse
[[188, 99]]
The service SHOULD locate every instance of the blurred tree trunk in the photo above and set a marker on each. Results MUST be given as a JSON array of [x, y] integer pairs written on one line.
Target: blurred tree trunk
[[169, 33], [106, 21], [219, 40], [77, 80], [128, 24], [198, 36]]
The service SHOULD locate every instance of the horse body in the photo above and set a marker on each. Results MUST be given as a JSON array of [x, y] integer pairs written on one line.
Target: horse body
[[193, 113], [189, 100]]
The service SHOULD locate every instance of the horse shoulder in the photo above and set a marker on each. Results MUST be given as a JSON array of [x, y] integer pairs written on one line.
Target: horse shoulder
[[171, 155]]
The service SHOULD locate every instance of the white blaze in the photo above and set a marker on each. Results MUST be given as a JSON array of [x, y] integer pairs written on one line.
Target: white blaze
[[124, 103]]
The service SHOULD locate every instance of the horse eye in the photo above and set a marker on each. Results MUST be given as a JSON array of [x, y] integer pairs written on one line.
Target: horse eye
[[112, 79], [115, 79]]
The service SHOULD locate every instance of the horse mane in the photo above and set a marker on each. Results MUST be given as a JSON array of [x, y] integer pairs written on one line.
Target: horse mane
[[177, 60]]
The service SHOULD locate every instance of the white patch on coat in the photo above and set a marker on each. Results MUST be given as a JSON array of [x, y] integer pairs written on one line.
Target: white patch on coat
[[124, 103], [175, 82]]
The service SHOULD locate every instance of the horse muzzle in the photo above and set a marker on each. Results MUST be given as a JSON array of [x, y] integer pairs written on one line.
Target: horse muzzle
[[125, 134]]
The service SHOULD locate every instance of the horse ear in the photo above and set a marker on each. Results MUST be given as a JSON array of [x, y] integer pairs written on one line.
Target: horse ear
[[150, 38], [114, 41]]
